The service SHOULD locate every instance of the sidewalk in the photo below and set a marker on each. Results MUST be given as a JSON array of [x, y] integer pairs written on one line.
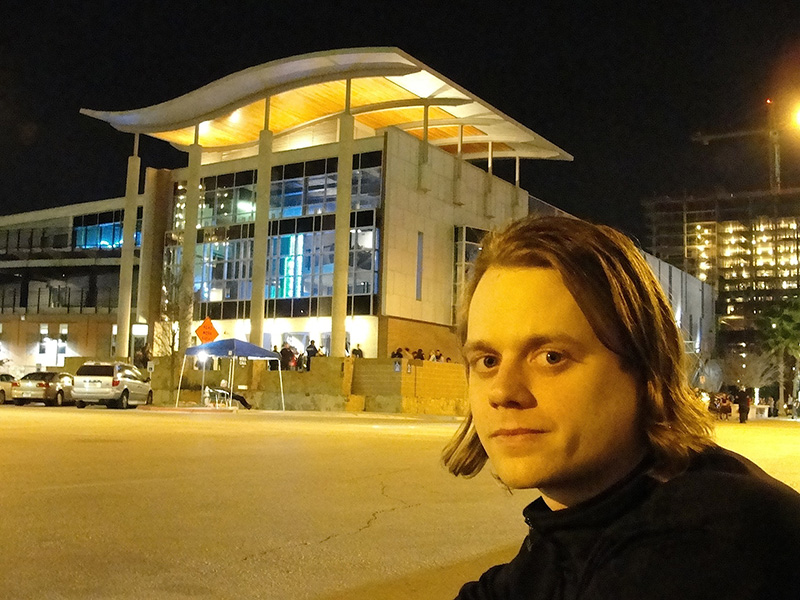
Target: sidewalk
[[197, 409]]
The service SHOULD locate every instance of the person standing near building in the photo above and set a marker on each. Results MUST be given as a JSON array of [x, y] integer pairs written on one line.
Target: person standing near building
[[311, 351], [725, 407], [357, 352], [743, 402], [273, 366], [790, 407], [773, 407], [286, 356], [576, 388]]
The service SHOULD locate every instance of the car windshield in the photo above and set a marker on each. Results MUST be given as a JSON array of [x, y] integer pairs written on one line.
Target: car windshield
[[97, 370], [39, 376]]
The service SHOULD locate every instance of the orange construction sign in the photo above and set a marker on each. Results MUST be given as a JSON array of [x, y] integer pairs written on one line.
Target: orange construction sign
[[206, 332]]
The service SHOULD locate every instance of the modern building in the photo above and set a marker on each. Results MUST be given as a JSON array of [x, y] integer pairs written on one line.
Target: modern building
[[59, 283], [257, 234], [744, 244], [266, 150]]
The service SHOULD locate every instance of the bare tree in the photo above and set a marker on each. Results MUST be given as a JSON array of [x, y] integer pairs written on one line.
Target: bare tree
[[166, 330], [750, 370]]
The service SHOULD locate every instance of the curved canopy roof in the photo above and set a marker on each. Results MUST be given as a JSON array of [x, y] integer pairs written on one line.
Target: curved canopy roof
[[388, 88]]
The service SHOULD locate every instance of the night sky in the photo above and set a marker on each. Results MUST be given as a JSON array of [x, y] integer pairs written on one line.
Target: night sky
[[622, 87]]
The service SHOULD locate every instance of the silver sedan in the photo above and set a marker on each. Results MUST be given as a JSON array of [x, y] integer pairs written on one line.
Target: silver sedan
[[6, 381], [54, 389]]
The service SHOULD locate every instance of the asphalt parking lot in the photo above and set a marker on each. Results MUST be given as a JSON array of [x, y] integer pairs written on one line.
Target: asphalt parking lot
[[134, 504]]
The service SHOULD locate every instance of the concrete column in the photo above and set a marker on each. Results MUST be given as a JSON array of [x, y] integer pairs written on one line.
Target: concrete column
[[488, 205], [157, 205], [128, 244], [341, 248], [261, 236], [424, 171], [146, 249], [520, 203], [186, 283], [519, 197], [457, 166]]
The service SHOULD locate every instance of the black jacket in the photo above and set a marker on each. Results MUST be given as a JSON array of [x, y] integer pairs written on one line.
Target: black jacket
[[723, 529]]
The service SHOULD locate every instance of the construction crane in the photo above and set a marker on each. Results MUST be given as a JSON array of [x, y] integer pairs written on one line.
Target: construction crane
[[773, 136]]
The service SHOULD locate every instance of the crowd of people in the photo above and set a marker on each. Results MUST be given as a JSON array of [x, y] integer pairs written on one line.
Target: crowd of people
[[293, 359], [418, 354], [722, 403]]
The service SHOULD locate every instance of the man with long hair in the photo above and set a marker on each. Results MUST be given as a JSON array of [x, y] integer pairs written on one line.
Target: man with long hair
[[577, 389]]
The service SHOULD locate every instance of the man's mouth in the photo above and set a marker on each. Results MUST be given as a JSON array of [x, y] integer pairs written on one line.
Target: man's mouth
[[515, 432]]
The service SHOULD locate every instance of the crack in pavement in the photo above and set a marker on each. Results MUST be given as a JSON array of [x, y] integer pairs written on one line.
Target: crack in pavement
[[372, 518]]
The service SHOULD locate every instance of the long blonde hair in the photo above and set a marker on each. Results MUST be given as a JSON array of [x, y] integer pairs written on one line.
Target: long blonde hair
[[628, 311]]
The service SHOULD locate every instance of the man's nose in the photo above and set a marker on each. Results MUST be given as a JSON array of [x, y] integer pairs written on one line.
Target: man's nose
[[511, 387]]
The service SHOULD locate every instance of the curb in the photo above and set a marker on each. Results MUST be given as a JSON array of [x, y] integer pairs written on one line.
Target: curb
[[187, 409]]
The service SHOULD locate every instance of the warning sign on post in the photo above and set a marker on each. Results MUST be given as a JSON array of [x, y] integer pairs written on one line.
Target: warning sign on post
[[206, 332]]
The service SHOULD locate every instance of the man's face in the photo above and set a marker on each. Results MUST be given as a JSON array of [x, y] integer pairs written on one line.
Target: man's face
[[553, 406]]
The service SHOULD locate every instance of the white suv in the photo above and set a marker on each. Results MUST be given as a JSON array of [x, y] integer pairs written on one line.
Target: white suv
[[115, 384]]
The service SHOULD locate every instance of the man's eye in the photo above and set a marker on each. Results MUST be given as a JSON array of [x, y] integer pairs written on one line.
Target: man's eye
[[553, 358], [484, 363]]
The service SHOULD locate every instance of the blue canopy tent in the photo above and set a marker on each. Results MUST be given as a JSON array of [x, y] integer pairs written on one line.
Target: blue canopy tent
[[232, 348]]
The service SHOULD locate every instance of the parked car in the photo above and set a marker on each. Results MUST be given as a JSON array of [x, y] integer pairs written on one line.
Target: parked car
[[114, 384], [5, 387], [54, 389]]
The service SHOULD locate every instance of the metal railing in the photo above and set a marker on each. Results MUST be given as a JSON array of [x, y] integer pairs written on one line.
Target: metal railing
[[34, 239]]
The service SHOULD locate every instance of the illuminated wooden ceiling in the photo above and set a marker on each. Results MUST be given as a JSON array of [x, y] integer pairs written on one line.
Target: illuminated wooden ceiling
[[388, 88]]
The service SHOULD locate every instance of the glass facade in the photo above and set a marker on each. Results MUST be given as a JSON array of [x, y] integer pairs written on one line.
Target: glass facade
[[102, 231], [223, 270], [467, 247], [299, 246], [297, 189], [299, 268], [310, 188], [93, 231], [228, 199]]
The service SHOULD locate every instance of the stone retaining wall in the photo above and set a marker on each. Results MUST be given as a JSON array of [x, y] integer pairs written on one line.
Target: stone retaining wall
[[333, 384]]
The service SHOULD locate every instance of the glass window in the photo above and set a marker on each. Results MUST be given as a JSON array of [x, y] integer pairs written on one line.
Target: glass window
[[419, 266], [102, 231], [293, 197], [223, 271], [330, 193], [276, 199], [315, 195], [296, 189], [245, 198], [225, 209]]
